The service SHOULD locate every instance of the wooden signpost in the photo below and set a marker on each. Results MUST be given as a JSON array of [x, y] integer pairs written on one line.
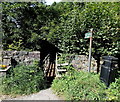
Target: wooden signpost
[[89, 35]]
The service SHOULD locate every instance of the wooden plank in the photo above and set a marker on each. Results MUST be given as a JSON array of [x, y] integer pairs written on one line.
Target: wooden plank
[[4, 70], [58, 75], [56, 65], [61, 70], [64, 64]]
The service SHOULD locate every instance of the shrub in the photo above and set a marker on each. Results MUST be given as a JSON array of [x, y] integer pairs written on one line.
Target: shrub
[[85, 86], [80, 86], [24, 80], [113, 92]]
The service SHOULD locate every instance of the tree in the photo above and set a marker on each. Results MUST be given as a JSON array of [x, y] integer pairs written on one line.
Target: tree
[[25, 22], [64, 25]]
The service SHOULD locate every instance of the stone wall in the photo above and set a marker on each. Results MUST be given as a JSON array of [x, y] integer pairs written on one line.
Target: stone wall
[[20, 57], [12, 58], [80, 62]]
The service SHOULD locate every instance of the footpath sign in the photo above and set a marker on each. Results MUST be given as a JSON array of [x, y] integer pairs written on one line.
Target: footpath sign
[[89, 35]]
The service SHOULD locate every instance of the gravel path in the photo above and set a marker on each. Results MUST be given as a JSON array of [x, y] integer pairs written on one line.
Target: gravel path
[[46, 94]]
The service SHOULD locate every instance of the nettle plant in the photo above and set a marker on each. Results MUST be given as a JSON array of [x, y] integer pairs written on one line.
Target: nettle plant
[[24, 80], [85, 86]]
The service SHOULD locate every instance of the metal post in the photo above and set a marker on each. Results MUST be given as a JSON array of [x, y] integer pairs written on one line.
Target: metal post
[[90, 51]]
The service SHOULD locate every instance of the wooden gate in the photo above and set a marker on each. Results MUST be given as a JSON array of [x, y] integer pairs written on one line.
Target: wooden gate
[[49, 66]]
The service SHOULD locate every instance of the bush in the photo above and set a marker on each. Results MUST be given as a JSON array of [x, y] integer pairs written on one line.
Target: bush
[[85, 86], [80, 86], [24, 80], [113, 92]]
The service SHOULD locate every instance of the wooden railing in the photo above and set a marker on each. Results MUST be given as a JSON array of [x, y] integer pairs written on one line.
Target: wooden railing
[[59, 70]]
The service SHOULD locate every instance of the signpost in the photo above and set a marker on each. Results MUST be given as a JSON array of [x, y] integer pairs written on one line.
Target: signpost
[[89, 35]]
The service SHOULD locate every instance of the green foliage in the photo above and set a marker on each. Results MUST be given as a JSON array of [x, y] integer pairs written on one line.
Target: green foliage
[[26, 22], [85, 86], [64, 25], [23, 80], [113, 93], [65, 58], [15, 46], [100, 17], [80, 86]]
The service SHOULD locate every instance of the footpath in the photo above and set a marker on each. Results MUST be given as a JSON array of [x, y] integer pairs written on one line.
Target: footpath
[[46, 94]]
